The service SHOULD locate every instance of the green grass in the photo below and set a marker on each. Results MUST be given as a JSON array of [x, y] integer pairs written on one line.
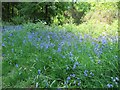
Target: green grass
[[60, 52]]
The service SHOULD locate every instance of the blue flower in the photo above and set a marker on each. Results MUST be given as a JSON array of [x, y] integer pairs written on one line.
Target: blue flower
[[74, 66], [79, 83], [3, 44], [70, 54], [39, 71], [59, 49], [92, 74], [117, 79], [104, 41], [99, 61], [72, 75], [85, 73], [11, 34], [16, 65], [68, 78], [109, 85]]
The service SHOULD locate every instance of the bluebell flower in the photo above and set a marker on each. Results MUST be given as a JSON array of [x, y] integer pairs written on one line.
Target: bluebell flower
[[104, 41], [3, 54], [79, 83], [99, 61], [39, 71], [109, 85], [85, 73], [75, 64], [92, 74], [70, 54], [11, 34], [30, 36], [16, 65], [68, 78], [47, 46], [3, 44], [59, 49], [72, 75], [117, 79]]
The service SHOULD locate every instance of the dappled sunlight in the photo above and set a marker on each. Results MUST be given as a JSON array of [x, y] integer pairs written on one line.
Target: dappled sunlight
[[60, 48]]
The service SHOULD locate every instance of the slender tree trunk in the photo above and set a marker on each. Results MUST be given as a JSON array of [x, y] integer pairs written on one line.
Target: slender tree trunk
[[46, 12], [12, 9]]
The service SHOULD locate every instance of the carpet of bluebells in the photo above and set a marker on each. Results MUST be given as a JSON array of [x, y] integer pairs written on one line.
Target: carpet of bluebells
[[44, 56]]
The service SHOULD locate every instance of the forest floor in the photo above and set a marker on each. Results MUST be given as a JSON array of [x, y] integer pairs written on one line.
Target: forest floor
[[37, 55]]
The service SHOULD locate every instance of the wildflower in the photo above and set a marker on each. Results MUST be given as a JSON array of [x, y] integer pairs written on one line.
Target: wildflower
[[104, 41], [47, 46], [59, 49], [72, 75], [109, 85], [30, 36], [79, 83], [99, 61], [85, 73], [117, 79], [16, 65], [3, 44], [68, 78], [74, 66], [71, 54], [3, 54], [39, 71], [91, 73], [11, 34]]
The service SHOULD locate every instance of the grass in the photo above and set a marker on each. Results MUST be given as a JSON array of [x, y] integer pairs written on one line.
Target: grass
[[60, 56]]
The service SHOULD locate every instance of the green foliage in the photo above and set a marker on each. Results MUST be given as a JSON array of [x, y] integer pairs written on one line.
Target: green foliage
[[102, 12], [24, 56], [59, 13], [18, 20]]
